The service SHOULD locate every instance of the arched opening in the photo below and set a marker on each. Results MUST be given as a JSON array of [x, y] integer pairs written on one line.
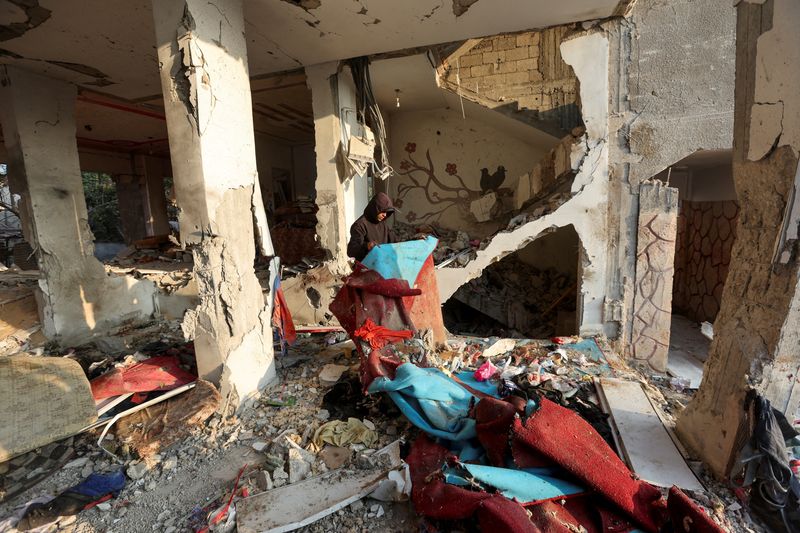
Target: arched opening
[[531, 293]]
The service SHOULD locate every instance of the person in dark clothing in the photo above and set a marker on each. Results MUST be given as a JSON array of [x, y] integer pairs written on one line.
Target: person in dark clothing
[[371, 228]]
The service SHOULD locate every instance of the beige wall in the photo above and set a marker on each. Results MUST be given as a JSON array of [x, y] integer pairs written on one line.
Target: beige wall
[[450, 139]]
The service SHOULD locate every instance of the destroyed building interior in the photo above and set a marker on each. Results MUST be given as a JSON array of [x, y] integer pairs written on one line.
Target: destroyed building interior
[[584, 314]]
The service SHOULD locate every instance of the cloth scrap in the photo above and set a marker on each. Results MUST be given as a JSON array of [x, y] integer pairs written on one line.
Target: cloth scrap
[[341, 433], [94, 489], [160, 373], [485, 371], [379, 336]]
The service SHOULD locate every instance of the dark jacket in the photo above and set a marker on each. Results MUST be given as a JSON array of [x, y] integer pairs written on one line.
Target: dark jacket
[[367, 228]]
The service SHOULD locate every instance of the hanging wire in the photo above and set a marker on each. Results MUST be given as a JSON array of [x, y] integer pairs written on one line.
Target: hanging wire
[[367, 106]]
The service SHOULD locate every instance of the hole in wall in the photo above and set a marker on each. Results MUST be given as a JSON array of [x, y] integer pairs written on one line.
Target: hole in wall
[[531, 293], [314, 297]]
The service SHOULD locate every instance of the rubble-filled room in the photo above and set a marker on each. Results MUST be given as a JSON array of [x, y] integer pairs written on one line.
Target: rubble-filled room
[[532, 293], [421, 267]]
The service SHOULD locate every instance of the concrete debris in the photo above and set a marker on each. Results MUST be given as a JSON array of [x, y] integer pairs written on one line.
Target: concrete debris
[[335, 456], [299, 466], [330, 374], [297, 505], [264, 480], [137, 470], [521, 299], [260, 446]]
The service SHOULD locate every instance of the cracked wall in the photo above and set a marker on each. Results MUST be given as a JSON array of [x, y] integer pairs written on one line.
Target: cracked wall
[[757, 331], [206, 86], [521, 75], [77, 297], [331, 229], [671, 81], [586, 210]]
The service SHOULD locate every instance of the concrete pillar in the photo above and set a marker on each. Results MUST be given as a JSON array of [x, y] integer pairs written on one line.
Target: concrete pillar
[[77, 297], [206, 86], [757, 331], [331, 228], [149, 168], [131, 198], [655, 267], [142, 202]]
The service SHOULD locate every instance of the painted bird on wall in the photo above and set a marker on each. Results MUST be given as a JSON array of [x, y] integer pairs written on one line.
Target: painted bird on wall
[[492, 182]]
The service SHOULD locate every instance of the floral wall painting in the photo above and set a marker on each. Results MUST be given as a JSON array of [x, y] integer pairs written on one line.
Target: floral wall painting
[[442, 191], [444, 163]]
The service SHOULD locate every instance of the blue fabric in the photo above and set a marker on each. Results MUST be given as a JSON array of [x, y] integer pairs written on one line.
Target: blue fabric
[[487, 387], [400, 260], [430, 400], [522, 485], [594, 353], [98, 485]]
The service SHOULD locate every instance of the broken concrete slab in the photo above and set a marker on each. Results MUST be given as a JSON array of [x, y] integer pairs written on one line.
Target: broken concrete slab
[[645, 442], [331, 374], [294, 506]]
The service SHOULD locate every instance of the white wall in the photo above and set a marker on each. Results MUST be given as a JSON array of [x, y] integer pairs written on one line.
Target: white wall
[[468, 143]]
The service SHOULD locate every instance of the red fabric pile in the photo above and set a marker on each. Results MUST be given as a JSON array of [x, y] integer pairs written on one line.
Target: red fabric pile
[[366, 295], [551, 436], [155, 374]]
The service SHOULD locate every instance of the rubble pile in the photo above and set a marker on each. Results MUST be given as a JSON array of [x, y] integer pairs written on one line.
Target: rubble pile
[[315, 421], [161, 248], [456, 248], [525, 299]]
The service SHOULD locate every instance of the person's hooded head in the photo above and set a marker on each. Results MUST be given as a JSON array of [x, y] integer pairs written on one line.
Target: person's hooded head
[[379, 208]]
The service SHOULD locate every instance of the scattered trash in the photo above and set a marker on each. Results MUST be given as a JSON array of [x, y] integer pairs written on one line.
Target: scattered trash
[[294, 506], [486, 371]]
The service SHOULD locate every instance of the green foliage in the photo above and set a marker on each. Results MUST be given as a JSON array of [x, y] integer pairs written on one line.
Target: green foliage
[[102, 206]]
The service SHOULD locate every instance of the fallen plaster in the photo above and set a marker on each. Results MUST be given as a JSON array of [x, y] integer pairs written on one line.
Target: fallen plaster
[[586, 210]]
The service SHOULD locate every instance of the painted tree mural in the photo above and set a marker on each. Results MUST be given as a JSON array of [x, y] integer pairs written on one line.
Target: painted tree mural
[[441, 192]]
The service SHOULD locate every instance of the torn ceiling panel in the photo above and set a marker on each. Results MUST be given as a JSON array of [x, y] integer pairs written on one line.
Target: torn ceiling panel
[[82, 38]]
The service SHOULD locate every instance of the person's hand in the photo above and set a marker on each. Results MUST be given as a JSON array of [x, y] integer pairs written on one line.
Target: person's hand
[[371, 245]]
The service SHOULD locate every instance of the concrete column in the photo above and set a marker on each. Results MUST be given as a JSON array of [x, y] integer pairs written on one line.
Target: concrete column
[[655, 267], [206, 86], [131, 198], [331, 228], [77, 297], [156, 221], [757, 331]]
